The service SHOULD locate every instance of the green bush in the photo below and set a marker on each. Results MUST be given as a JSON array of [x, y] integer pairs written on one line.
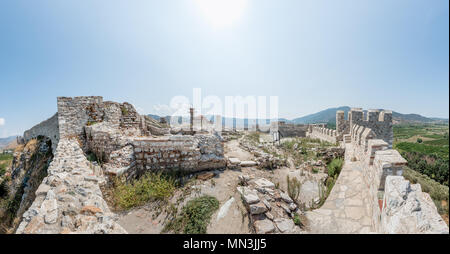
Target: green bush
[[195, 216], [436, 190], [151, 186], [297, 220], [335, 167], [3, 189], [419, 140], [2, 169]]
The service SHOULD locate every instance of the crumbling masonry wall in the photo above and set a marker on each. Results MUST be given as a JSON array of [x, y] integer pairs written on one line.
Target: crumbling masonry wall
[[48, 128], [280, 130], [69, 199], [179, 153]]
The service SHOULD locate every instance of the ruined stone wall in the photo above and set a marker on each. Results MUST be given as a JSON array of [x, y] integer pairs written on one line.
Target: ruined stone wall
[[78, 112], [48, 128], [283, 130], [102, 139], [292, 130], [69, 200], [75, 113], [179, 153]]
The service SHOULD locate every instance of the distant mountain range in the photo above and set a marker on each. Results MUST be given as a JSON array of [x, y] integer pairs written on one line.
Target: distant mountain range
[[7, 142], [329, 116], [325, 116]]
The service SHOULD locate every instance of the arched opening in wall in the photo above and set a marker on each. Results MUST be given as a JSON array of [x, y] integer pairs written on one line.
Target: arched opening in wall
[[28, 169]]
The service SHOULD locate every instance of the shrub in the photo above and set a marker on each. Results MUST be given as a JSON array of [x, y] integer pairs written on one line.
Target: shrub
[[3, 189], [297, 220], [195, 216], [335, 166], [124, 111], [150, 187], [2, 169], [293, 186], [419, 140]]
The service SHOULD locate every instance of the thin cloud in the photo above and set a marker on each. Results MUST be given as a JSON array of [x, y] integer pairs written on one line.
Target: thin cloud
[[2, 121]]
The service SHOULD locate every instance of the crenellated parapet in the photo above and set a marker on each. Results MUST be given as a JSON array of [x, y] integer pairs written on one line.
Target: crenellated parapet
[[380, 122], [323, 133]]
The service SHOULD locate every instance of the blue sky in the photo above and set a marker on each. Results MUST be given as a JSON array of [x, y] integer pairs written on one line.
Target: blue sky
[[312, 54]]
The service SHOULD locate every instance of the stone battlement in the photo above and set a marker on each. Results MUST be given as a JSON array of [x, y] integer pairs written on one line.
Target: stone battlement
[[380, 122], [322, 133], [370, 157]]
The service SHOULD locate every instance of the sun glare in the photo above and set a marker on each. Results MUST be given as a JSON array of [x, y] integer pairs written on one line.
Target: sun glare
[[221, 13]]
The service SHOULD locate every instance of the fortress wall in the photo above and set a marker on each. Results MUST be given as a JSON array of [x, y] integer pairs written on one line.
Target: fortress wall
[[324, 134], [78, 112], [69, 199], [288, 130], [342, 124], [405, 209], [75, 113], [179, 153], [48, 128], [379, 122]]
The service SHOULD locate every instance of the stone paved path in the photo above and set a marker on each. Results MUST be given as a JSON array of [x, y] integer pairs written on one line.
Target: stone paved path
[[347, 208]]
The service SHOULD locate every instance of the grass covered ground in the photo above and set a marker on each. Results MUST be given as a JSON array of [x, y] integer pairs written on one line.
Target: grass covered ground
[[194, 217], [425, 147], [150, 187]]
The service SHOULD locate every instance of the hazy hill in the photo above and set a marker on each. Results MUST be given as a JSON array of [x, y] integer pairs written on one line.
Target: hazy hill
[[7, 142], [326, 116], [329, 116]]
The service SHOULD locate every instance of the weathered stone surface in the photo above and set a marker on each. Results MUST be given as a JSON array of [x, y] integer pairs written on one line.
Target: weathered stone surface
[[250, 196], [234, 161], [264, 183], [248, 164], [205, 176], [408, 210], [284, 225], [71, 198], [285, 197], [90, 210], [224, 209], [258, 208], [267, 204], [264, 226]]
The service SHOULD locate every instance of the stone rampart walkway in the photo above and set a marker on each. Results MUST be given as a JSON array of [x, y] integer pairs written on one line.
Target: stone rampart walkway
[[69, 200], [347, 208]]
